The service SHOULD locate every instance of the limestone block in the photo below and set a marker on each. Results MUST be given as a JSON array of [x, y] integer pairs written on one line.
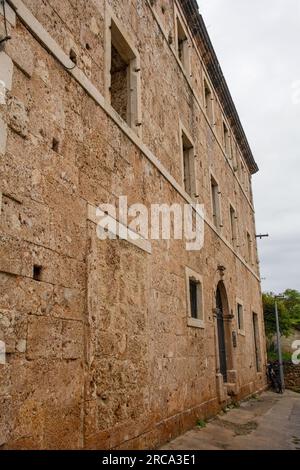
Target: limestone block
[[20, 52], [13, 329], [68, 303], [72, 345], [6, 70], [30, 297], [5, 380], [18, 116], [29, 219], [15, 257], [6, 419], [44, 337]]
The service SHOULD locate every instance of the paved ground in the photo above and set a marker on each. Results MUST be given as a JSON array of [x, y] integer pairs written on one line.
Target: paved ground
[[270, 421]]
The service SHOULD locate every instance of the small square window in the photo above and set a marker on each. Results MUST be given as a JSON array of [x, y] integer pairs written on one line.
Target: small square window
[[37, 272]]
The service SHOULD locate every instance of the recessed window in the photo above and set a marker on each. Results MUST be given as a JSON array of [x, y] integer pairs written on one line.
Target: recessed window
[[233, 226], [73, 56], [226, 140], [123, 77], [119, 89], [242, 172], [208, 101], [240, 317], [37, 272], [194, 299], [182, 45], [55, 145], [215, 196], [188, 165]]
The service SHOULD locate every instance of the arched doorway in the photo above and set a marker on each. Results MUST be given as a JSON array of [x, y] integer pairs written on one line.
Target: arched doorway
[[220, 311]]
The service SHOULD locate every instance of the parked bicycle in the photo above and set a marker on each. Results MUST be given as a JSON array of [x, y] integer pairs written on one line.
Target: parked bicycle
[[273, 375]]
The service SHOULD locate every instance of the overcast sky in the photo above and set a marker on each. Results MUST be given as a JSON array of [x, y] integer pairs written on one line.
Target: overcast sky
[[257, 43]]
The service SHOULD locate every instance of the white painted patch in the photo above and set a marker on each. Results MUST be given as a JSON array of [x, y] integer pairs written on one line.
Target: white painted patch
[[3, 136], [6, 70]]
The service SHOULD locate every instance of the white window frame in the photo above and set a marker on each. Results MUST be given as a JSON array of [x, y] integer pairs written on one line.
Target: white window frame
[[210, 115], [249, 243], [183, 133], [217, 217], [241, 331], [130, 54], [226, 139], [200, 321], [233, 227], [186, 59]]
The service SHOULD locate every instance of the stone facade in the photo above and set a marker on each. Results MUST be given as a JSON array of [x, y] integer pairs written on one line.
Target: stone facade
[[99, 353]]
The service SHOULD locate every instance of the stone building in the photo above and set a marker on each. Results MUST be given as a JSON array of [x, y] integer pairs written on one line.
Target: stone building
[[119, 343]]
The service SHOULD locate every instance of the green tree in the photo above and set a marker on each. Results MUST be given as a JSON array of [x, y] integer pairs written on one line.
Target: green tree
[[292, 303], [269, 316]]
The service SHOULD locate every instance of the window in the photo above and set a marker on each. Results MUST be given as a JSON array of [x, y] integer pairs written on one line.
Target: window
[[194, 299], [37, 272], [182, 45], [240, 317], [257, 349], [119, 91], [249, 248], [242, 173], [233, 226], [226, 140], [194, 295], [189, 178], [234, 153], [215, 193], [208, 101], [122, 75]]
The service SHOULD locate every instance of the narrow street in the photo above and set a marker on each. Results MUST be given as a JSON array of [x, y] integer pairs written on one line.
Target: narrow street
[[266, 422]]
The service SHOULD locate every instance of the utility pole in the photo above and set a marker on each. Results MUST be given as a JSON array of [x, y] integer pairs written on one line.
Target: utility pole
[[277, 297]]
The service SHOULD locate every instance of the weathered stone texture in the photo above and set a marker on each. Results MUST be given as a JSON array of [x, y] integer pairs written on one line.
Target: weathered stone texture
[[99, 354]]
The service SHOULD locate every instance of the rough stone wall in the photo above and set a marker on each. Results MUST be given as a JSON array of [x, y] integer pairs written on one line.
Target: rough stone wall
[[99, 353], [292, 376]]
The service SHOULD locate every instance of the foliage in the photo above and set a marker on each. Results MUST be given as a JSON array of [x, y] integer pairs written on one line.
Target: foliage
[[292, 303], [273, 354], [201, 423], [269, 316], [288, 312]]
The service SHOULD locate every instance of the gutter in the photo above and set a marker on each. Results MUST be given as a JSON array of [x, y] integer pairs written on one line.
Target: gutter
[[199, 30]]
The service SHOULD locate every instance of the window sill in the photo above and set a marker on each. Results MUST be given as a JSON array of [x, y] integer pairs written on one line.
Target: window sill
[[195, 323]]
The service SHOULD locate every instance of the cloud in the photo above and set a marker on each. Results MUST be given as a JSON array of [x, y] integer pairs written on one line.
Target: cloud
[[257, 44]]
